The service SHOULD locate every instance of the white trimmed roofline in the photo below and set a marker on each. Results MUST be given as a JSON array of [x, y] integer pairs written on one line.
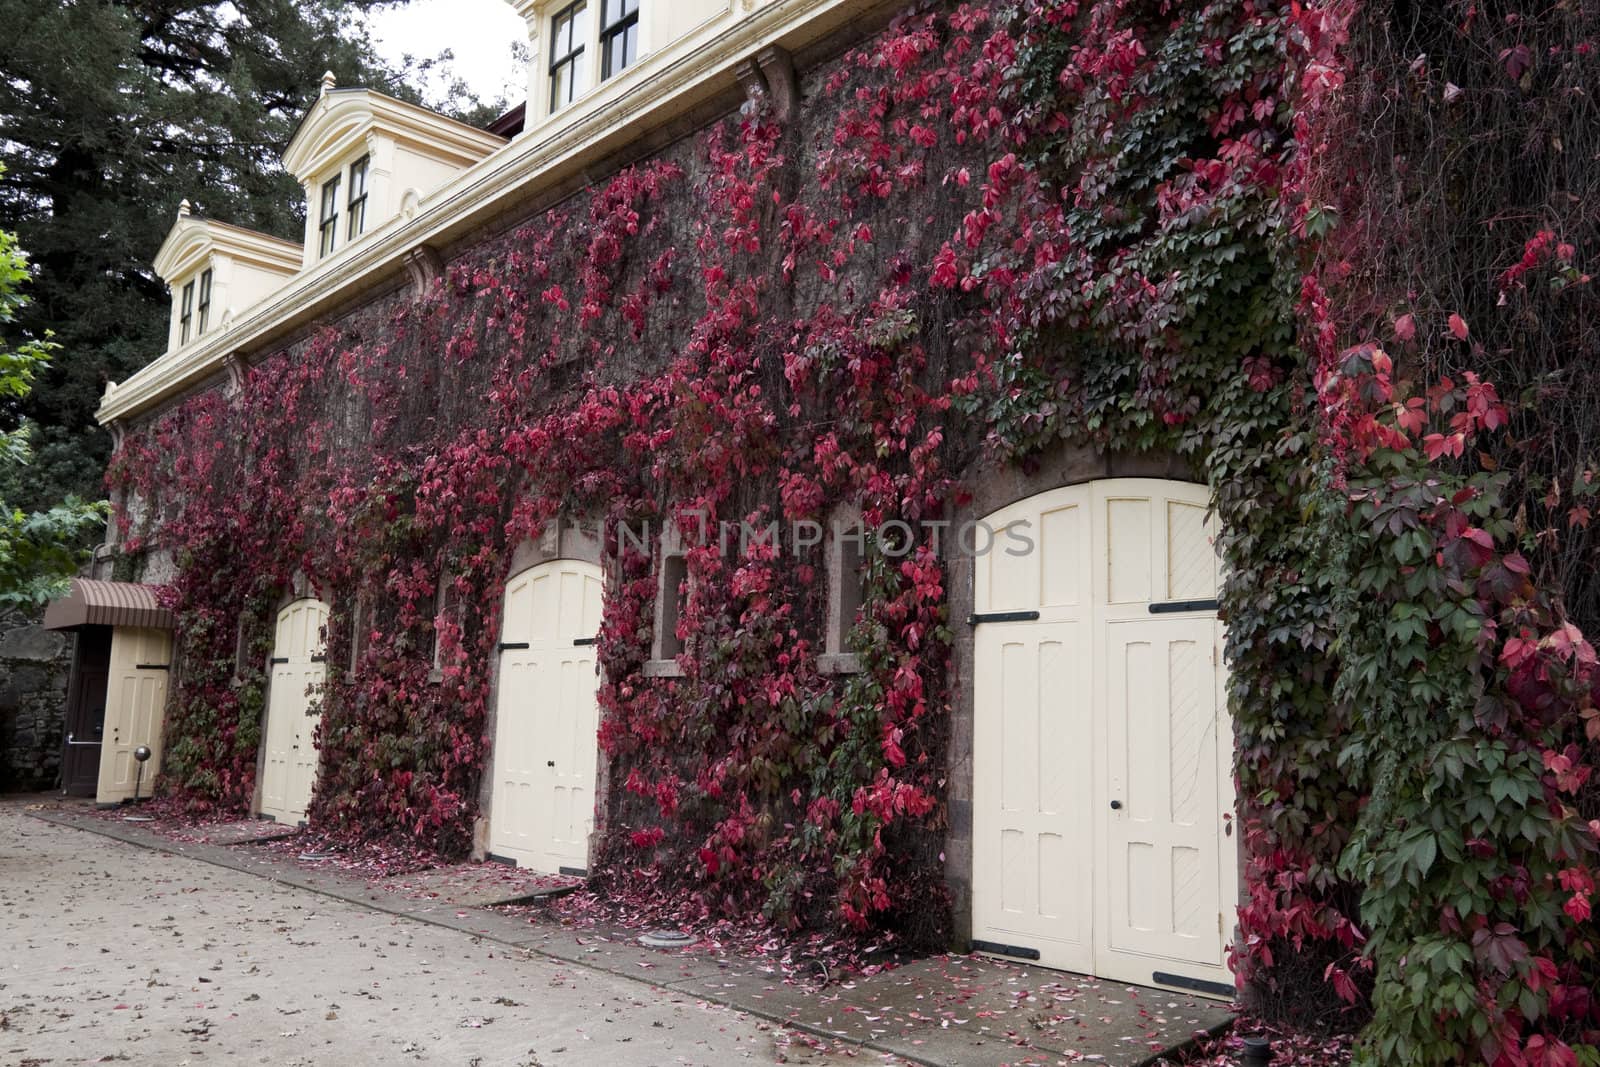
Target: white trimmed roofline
[[341, 117], [662, 87], [193, 237]]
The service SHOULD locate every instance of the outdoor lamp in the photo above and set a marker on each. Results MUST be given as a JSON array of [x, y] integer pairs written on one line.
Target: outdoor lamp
[[142, 753]]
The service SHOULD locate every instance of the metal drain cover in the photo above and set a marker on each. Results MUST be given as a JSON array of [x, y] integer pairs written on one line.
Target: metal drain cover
[[666, 939]]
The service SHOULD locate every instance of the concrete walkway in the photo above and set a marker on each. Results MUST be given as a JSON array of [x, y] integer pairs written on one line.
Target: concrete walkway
[[945, 1010]]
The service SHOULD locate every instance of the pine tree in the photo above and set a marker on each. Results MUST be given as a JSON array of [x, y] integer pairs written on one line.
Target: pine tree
[[114, 111]]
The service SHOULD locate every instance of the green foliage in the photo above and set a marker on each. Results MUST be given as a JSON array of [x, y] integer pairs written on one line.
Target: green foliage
[[39, 550]]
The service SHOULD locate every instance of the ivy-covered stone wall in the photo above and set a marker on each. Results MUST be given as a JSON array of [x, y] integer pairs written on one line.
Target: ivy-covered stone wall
[[990, 236]]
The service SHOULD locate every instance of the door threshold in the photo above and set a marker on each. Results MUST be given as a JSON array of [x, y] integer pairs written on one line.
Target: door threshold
[[994, 948], [1194, 985], [1022, 955]]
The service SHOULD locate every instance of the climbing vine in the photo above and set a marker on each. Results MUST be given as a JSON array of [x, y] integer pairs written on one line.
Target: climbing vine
[[992, 231]]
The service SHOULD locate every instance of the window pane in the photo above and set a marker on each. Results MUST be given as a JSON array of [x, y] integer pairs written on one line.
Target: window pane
[[569, 31], [330, 199], [674, 583], [560, 86]]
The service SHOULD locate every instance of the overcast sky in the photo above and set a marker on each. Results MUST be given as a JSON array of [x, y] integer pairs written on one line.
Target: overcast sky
[[480, 32]]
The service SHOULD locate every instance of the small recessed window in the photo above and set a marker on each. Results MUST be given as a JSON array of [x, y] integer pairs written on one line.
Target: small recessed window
[[328, 226], [619, 36], [186, 314], [358, 630], [569, 30], [356, 210], [674, 585], [204, 308], [445, 613], [852, 583], [846, 589], [241, 648]]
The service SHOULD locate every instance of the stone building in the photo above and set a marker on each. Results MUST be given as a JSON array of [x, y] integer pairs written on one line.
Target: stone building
[[441, 497]]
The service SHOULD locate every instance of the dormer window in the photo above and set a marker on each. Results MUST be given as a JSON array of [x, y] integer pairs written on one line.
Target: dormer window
[[356, 210], [569, 32], [186, 314], [365, 160], [214, 271], [203, 309], [619, 36], [328, 220]]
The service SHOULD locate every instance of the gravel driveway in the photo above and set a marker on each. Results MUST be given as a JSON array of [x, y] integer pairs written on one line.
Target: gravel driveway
[[110, 953]]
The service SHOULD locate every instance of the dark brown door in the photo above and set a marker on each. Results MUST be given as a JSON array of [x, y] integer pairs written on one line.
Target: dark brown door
[[86, 711]]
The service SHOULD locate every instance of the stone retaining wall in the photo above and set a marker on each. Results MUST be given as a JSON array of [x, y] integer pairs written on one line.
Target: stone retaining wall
[[34, 665]]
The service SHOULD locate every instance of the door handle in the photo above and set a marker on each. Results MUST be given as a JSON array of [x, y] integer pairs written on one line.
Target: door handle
[[1116, 805]]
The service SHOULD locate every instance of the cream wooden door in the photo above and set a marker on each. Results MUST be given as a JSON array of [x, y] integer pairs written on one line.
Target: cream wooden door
[[1164, 882], [299, 670], [1032, 886], [546, 718], [136, 700], [1102, 750]]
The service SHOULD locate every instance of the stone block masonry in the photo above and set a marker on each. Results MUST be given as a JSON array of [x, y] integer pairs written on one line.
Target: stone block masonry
[[34, 666]]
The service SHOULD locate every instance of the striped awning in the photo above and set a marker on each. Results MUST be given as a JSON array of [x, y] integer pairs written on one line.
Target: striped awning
[[93, 603]]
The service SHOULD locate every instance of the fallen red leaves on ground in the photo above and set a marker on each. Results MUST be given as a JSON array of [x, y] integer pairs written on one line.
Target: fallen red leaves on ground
[[1289, 1048]]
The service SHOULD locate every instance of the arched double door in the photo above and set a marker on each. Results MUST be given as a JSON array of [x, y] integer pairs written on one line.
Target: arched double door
[[1102, 749], [546, 718]]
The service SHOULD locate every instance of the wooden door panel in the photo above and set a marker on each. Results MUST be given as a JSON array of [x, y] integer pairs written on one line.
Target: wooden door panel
[[299, 671], [136, 695], [1164, 875], [546, 717]]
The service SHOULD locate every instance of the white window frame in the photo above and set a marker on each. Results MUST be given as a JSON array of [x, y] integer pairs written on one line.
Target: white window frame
[[186, 313], [626, 24], [328, 215], [576, 55], [355, 209], [202, 306], [591, 49]]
